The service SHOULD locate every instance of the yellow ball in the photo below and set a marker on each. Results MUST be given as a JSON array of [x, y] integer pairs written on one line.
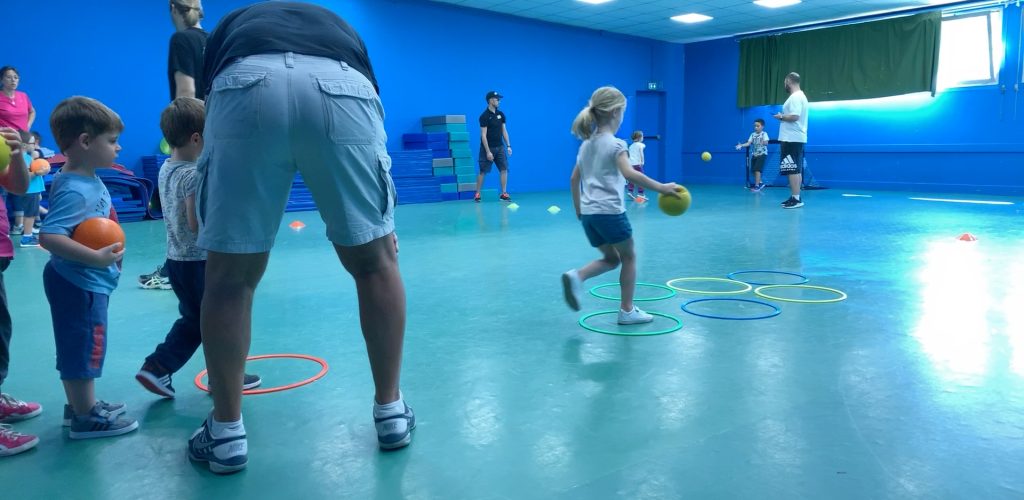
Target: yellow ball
[[164, 147], [5, 155], [675, 206], [705, 156]]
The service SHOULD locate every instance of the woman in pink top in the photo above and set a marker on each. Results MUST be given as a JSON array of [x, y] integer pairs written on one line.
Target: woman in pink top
[[16, 109]]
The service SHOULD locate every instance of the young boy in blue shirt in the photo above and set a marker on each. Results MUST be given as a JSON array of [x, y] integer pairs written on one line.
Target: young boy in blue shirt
[[78, 280]]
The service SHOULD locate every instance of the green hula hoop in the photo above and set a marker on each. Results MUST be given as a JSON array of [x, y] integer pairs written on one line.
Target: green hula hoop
[[746, 286], [671, 292], [678, 325], [841, 295]]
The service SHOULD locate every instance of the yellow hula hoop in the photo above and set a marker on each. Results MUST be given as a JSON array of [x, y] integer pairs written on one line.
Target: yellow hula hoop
[[841, 295], [746, 286]]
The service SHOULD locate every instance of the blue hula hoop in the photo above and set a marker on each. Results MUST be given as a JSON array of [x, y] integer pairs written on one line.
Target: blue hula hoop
[[775, 310]]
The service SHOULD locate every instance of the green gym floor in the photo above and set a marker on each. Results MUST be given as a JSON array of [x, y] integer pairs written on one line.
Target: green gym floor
[[913, 387]]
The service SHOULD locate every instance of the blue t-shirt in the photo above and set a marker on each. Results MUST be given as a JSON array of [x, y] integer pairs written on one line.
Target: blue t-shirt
[[73, 199], [36, 184]]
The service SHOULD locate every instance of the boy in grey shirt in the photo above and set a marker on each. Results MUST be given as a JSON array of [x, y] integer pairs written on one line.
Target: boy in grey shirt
[[182, 124]]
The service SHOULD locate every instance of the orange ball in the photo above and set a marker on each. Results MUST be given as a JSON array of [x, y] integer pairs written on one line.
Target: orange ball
[[99, 232], [38, 165]]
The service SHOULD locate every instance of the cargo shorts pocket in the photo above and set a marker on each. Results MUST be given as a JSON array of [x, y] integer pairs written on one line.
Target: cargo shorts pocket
[[234, 105], [352, 112]]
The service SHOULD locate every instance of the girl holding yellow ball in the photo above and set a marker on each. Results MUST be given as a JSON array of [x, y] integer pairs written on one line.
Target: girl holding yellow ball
[[602, 169]]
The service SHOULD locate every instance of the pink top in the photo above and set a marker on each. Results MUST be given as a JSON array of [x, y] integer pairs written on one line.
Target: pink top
[[14, 110]]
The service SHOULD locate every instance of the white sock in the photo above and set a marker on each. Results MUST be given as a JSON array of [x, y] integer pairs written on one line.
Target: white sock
[[389, 409], [222, 430], [797, 197]]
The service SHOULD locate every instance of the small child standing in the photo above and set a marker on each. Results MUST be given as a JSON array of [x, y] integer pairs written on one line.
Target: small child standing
[[182, 124], [758, 142], [602, 167], [78, 280], [26, 206], [636, 159]]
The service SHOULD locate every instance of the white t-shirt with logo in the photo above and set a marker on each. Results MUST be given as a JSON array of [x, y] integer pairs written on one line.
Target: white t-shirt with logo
[[635, 151], [602, 183], [795, 131]]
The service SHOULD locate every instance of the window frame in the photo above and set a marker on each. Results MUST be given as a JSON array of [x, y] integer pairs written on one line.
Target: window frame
[[995, 65]]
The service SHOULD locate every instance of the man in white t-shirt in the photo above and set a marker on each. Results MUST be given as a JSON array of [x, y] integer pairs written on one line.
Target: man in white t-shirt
[[793, 138]]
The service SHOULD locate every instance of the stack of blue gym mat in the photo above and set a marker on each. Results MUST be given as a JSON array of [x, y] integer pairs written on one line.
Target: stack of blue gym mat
[[413, 173], [128, 194], [299, 199], [151, 167], [457, 173]]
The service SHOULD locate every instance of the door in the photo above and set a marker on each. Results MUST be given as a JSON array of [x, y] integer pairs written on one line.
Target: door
[[650, 118]]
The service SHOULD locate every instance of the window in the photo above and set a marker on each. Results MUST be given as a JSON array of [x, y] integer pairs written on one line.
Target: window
[[971, 49]]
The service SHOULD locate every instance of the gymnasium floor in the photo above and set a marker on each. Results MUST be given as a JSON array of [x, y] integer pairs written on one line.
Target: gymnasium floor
[[911, 388]]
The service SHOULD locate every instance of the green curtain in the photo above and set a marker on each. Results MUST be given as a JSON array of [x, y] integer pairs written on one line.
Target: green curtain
[[856, 61]]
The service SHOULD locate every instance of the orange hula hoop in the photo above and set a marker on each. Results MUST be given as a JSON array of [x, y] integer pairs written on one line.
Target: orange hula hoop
[[251, 392]]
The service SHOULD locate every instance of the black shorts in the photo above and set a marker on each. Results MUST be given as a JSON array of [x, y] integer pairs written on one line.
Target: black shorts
[[500, 159], [757, 163], [791, 156]]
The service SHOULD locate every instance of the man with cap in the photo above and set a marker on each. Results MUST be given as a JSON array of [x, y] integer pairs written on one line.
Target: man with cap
[[492, 150]]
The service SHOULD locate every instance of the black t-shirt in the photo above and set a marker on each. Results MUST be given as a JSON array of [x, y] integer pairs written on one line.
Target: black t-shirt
[[493, 120], [277, 27], [186, 56]]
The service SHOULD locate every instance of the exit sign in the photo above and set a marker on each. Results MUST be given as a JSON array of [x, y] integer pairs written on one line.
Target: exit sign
[[653, 85]]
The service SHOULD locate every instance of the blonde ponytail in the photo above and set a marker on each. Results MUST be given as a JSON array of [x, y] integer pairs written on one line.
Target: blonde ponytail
[[603, 104], [583, 126]]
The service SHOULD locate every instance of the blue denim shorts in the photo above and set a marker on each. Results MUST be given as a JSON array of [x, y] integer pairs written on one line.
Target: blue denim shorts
[[79, 326], [606, 229]]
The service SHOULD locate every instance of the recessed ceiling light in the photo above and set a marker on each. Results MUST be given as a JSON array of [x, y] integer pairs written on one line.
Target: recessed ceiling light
[[691, 18], [774, 4], [595, 2]]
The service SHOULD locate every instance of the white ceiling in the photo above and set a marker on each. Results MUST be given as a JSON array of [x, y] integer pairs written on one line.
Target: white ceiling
[[650, 18]]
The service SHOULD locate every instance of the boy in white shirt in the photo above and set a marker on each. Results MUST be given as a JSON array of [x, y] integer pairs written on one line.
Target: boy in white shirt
[[758, 141]]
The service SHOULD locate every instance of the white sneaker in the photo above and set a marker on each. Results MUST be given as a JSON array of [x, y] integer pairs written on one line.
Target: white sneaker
[[572, 287], [634, 317]]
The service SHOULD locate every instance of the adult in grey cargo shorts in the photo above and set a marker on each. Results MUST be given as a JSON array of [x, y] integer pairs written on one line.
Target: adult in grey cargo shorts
[[291, 88]]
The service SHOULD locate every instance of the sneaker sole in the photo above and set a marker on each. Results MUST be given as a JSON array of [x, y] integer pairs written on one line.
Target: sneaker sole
[[397, 444], [217, 468], [405, 441], [153, 385], [20, 449], [103, 434], [795, 205], [570, 298], [154, 287], [19, 418], [636, 322]]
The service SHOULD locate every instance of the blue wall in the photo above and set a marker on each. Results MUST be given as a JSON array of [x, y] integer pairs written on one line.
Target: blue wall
[[429, 58], [963, 140]]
